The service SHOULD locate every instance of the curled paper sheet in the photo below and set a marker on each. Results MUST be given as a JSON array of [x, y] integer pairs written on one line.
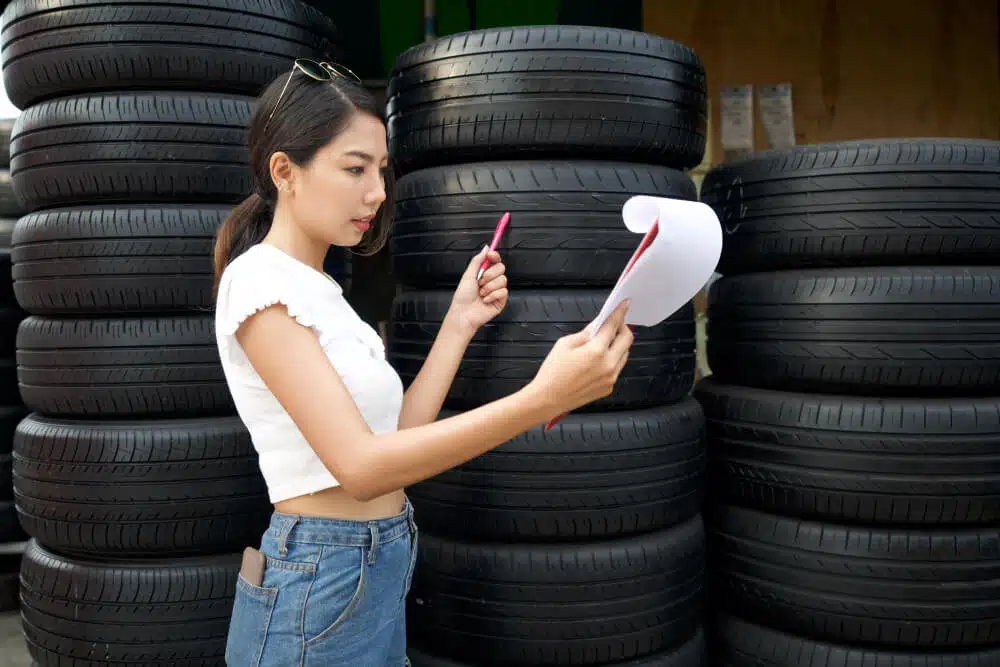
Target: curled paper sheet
[[679, 254]]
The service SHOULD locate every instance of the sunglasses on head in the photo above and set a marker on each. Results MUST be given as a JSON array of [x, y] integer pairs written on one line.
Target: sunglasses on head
[[323, 71]]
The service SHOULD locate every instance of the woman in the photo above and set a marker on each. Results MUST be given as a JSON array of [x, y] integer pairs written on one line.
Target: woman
[[338, 439]]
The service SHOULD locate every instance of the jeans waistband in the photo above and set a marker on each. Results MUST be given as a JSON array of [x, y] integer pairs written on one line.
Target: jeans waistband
[[341, 532]]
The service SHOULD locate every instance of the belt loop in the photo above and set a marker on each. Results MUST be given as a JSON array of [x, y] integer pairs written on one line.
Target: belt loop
[[286, 530], [373, 528], [410, 519]]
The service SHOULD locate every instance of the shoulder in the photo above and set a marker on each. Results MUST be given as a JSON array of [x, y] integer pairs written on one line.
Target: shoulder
[[260, 278]]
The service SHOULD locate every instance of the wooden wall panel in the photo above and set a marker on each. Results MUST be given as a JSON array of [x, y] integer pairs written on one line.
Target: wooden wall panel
[[858, 68]]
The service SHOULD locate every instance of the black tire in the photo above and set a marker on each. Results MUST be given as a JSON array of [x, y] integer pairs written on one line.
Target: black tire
[[890, 330], [688, 654], [742, 644], [139, 488], [82, 46], [132, 147], [547, 92], [107, 259], [10, 527], [6, 125], [155, 365], [838, 458], [156, 612], [922, 589], [505, 353], [591, 476], [580, 604], [565, 229], [9, 206], [859, 203], [10, 566], [7, 297], [10, 417]]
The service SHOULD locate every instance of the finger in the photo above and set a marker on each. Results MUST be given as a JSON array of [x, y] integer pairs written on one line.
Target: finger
[[476, 260], [620, 365], [499, 296], [610, 328], [493, 285], [495, 271], [622, 343]]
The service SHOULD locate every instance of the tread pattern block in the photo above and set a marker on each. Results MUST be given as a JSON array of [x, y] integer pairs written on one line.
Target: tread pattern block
[[153, 365], [505, 353], [743, 644], [547, 91], [236, 46], [859, 203], [566, 225], [689, 654], [591, 476], [139, 488], [869, 331], [882, 461], [144, 147], [580, 604], [108, 259], [915, 588], [155, 612]]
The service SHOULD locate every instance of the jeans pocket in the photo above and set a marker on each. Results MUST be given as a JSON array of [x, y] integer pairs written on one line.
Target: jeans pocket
[[337, 592], [251, 617]]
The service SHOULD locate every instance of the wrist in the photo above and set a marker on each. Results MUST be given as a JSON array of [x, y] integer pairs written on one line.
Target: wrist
[[455, 326], [540, 403]]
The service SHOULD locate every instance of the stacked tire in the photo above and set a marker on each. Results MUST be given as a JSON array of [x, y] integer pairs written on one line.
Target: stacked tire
[[583, 545], [12, 536], [854, 407], [133, 475]]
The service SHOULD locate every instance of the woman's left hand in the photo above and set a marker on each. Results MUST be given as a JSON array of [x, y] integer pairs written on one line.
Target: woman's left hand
[[477, 302]]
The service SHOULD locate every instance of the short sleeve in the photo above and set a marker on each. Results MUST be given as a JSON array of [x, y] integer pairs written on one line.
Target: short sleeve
[[247, 287]]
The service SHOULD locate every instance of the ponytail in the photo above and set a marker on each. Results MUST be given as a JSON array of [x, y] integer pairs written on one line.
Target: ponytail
[[246, 226]]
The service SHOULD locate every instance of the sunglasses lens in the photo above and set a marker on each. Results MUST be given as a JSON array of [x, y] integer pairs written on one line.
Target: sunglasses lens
[[313, 69]]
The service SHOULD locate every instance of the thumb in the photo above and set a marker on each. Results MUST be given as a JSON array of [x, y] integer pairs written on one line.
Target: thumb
[[477, 259]]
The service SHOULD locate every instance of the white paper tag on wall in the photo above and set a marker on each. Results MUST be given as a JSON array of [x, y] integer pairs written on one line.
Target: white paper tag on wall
[[736, 121], [777, 115]]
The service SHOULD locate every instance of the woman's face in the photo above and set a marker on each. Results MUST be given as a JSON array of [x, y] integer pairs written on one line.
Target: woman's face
[[338, 193]]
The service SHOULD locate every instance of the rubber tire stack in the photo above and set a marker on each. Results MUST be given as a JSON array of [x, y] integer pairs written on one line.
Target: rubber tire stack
[[12, 536], [854, 407], [585, 545], [133, 475]]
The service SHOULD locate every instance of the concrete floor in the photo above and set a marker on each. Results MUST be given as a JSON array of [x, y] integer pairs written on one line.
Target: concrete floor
[[13, 652]]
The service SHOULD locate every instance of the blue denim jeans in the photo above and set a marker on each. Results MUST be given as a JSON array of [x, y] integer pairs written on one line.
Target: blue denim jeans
[[333, 594]]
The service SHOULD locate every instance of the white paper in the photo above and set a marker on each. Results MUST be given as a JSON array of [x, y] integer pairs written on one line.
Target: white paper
[[675, 266]]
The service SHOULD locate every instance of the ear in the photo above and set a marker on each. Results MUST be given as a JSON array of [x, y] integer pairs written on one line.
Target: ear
[[281, 168]]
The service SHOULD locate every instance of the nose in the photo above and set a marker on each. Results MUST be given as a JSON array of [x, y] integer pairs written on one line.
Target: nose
[[376, 195]]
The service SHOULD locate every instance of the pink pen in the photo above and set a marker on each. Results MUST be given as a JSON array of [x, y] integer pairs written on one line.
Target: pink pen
[[502, 225]]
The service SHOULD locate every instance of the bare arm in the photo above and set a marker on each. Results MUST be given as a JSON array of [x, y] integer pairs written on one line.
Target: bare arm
[[424, 397], [369, 465], [477, 298]]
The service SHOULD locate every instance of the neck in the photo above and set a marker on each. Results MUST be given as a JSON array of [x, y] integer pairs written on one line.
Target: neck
[[289, 238]]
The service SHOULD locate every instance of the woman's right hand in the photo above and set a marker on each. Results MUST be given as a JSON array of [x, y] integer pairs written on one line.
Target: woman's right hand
[[580, 369]]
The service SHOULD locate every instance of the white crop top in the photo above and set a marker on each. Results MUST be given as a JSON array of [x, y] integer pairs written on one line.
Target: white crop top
[[264, 276]]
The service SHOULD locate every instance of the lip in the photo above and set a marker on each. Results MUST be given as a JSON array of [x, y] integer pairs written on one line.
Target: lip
[[364, 224]]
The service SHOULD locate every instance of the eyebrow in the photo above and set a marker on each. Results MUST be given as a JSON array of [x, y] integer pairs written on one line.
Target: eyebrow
[[367, 157]]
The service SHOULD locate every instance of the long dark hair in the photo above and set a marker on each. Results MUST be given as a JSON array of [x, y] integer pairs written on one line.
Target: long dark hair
[[311, 114]]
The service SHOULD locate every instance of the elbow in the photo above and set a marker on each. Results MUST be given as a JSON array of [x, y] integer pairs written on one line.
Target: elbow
[[359, 483]]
